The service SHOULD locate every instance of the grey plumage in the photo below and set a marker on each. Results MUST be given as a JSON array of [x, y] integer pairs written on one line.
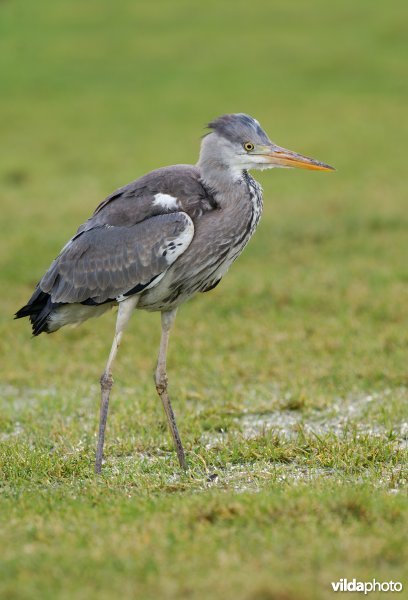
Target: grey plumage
[[159, 240], [127, 242], [107, 261], [238, 127]]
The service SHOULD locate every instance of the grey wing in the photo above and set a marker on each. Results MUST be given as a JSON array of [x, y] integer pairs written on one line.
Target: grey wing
[[141, 199], [106, 262]]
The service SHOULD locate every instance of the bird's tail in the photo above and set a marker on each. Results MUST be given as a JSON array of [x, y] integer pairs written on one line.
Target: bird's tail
[[38, 309]]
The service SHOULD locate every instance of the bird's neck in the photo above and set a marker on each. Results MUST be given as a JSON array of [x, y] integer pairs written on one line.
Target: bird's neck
[[227, 181], [222, 180]]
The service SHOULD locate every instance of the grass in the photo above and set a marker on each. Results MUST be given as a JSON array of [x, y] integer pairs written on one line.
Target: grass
[[289, 380]]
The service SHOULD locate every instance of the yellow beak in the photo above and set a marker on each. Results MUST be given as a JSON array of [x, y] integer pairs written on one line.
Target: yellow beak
[[281, 157]]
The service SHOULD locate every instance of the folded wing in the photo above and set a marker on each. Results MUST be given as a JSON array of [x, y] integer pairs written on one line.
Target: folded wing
[[110, 262]]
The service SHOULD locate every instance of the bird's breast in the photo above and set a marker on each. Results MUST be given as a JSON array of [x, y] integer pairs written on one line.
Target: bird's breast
[[220, 237]]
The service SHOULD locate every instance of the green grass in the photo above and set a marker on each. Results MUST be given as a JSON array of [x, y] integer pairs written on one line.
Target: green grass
[[289, 380]]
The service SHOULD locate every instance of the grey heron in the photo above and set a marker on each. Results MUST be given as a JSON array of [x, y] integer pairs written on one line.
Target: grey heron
[[159, 240]]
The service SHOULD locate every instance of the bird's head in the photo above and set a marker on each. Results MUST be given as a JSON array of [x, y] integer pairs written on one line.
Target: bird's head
[[238, 142]]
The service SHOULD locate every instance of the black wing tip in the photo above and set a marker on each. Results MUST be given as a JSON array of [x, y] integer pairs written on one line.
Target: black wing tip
[[24, 311], [38, 311], [39, 325], [39, 321]]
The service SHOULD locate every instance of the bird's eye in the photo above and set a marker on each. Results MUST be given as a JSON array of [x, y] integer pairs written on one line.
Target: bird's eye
[[248, 146]]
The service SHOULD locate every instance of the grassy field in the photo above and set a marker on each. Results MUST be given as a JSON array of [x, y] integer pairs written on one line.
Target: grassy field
[[289, 380]]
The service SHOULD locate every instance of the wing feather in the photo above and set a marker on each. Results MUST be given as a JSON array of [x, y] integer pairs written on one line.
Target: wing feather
[[103, 263]]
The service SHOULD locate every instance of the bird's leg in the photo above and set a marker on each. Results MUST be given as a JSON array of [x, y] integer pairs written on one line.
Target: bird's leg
[[167, 320], [125, 310]]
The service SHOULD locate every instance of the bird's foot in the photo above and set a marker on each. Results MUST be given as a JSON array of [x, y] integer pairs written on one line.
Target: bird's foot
[[98, 467]]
